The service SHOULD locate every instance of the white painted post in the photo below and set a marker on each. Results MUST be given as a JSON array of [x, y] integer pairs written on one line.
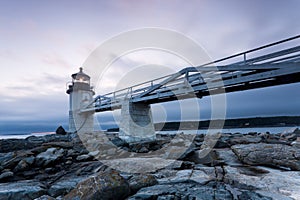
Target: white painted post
[[136, 122]]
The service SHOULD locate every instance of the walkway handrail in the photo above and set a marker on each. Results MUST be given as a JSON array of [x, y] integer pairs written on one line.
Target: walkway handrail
[[151, 82]]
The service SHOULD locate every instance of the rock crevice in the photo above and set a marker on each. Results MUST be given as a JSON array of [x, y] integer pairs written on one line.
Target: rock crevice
[[240, 166]]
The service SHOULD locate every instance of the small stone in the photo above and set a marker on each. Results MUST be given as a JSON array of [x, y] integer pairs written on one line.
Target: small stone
[[70, 152], [83, 157], [290, 137], [30, 160], [6, 175], [140, 181], [48, 157], [111, 152], [22, 166], [296, 144], [45, 197], [94, 153], [48, 170], [69, 162], [61, 131], [252, 133], [143, 150]]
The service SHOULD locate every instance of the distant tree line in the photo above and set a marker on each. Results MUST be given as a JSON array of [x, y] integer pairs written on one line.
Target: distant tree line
[[232, 123], [280, 121]]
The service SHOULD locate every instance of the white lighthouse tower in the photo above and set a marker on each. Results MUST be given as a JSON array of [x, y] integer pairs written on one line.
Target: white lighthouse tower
[[81, 94]]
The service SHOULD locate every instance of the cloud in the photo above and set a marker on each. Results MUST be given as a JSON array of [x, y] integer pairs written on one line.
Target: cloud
[[41, 43], [33, 108], [55, 59], [29, 25], [10, 55], [45, 85], [138, 67], [278, 100]]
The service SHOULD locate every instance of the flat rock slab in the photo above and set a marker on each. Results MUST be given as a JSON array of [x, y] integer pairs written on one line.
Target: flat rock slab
[[277, 184], [25, 190], [276, 155], [210, 191], [138, 165], [105, 185], [65, 185], [189, 175], [228, 157]]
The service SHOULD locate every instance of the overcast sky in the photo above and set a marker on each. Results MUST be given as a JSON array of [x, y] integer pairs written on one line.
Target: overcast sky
[[44, 42]]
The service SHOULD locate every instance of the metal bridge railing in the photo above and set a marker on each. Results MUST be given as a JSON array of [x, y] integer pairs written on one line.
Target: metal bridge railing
[[114, 98]]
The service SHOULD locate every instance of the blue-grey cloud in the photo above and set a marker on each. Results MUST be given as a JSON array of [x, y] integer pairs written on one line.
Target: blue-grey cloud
[[31, 29]]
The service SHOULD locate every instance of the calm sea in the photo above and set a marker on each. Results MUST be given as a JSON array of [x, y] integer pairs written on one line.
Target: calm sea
[[272, 130], [23, 136]]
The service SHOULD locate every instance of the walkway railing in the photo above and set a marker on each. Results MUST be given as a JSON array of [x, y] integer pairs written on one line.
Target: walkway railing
[[204, 73]]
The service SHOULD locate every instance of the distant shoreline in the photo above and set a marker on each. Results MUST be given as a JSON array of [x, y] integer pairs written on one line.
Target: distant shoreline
[[249, 122], [253, 122], [238, 123], [23, 136]]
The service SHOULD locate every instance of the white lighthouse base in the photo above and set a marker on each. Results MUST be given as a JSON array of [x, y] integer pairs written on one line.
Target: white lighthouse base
[[81, 123]]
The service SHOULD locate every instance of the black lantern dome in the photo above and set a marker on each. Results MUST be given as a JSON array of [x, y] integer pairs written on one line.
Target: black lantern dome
[[80, 81], [81, 77]]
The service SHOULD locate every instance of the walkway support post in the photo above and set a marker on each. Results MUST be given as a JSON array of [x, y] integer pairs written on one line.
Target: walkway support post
[[136, 122]]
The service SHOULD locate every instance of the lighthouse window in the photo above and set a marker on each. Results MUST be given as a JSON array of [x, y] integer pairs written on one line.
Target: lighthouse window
[[81, 80]]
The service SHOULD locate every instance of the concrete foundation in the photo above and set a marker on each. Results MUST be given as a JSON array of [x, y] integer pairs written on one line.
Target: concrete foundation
[[136, 122]]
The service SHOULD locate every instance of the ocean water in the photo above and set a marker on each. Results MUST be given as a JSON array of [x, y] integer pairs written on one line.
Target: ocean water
[[23, 136], [272, 130]]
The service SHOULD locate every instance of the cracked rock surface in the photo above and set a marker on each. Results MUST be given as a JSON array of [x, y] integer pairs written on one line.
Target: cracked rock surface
[[276, 155], [105, 185], [238, 167]]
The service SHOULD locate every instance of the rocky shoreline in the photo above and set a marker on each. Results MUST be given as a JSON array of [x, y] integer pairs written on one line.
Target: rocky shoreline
[[101, 166]]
